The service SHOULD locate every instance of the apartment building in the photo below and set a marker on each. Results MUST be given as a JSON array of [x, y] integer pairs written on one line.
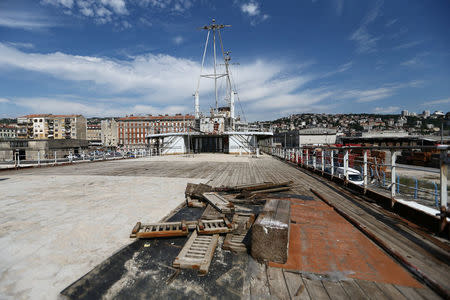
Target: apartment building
[[48, 126], [109, 133], [133, 129], [7, 131], [94, 132]]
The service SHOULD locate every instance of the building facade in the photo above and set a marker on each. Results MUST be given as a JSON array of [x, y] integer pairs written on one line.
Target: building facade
[[48, 126], [132, 130], [94, 132], [109, 133], [7, 131]]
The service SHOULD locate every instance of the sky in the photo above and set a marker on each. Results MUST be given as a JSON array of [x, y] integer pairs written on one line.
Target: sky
[[120, 57]]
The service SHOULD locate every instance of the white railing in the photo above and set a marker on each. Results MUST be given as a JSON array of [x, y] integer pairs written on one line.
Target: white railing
[[375, 174]]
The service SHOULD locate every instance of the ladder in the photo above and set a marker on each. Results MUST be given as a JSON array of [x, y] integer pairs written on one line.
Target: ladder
[[197, 253], [165, 229], [235, 241], [214, 226]]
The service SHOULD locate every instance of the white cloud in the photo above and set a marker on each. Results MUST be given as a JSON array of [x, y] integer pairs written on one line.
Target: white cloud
[[160, 81], [339, 4], [24, 20], [178, 40], [435, 102], [385, 91], [65, 3], [251, 9], [386, 110], [4, 100], [408, 45], [365, 41], [21, 45], [391, 22], [340, 69], [72, 105]]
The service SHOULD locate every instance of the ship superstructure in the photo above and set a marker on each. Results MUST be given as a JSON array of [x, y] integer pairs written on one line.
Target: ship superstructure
[[221, 130]]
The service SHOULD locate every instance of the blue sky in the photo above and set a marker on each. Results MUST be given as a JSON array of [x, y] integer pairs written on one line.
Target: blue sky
[[118, 57]]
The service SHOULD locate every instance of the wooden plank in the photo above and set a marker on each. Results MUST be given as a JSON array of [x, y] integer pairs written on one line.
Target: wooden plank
[[409, 292], [277, 284], [390, 291], [371, 289], [214, 226], [353, 290], [296, 286], [257, 278], [165, 229], [197, 253], [315, 288], [335, 290], [219, 202], [426, 293]]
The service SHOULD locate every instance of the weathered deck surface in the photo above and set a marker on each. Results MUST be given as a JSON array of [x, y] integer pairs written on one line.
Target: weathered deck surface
[[314, 282]]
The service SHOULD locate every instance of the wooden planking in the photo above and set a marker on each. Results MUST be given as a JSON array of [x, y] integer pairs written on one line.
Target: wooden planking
[[371, 290], [197, 252], [257, 277], [428, 294], [277, 284], [315, 288], [296, 286], [335, 290], [353, 290], [409, 292], [390, 291]]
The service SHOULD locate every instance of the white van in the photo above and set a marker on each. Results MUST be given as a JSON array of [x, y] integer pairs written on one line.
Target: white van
[[354, 176]]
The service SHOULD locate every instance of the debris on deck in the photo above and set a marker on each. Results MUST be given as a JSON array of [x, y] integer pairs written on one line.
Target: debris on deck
[[270, 232]]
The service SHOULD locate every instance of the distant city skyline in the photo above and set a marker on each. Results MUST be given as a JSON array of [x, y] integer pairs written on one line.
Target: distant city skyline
[[121, 57]]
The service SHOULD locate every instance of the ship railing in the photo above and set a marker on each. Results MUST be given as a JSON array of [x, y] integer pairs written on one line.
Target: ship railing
[[376, 169]]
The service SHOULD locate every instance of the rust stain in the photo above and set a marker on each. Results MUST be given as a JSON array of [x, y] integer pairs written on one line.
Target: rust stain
[[321, 241]]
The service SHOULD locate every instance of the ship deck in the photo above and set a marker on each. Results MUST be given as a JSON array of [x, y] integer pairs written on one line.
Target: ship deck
[[329, 258]]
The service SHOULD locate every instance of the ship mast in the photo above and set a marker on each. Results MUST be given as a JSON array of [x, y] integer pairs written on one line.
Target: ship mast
[[215, 29]]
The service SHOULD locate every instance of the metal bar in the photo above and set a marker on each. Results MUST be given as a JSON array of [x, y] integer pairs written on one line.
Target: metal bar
[[365, 169], [332, 161], [443, 180], [393, 157], [346, 164]]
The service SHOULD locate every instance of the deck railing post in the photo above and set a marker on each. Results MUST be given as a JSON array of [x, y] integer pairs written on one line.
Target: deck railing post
[[444, 195], [314, 159], [365, 169], [346, 164], [323, 160], [39, 158], [332, 162], [443, 180], [307, 157], [393, 175], [55, 158], [415, 188]]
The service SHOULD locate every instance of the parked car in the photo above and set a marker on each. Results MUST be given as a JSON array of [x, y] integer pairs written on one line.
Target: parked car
[[354, 176]]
